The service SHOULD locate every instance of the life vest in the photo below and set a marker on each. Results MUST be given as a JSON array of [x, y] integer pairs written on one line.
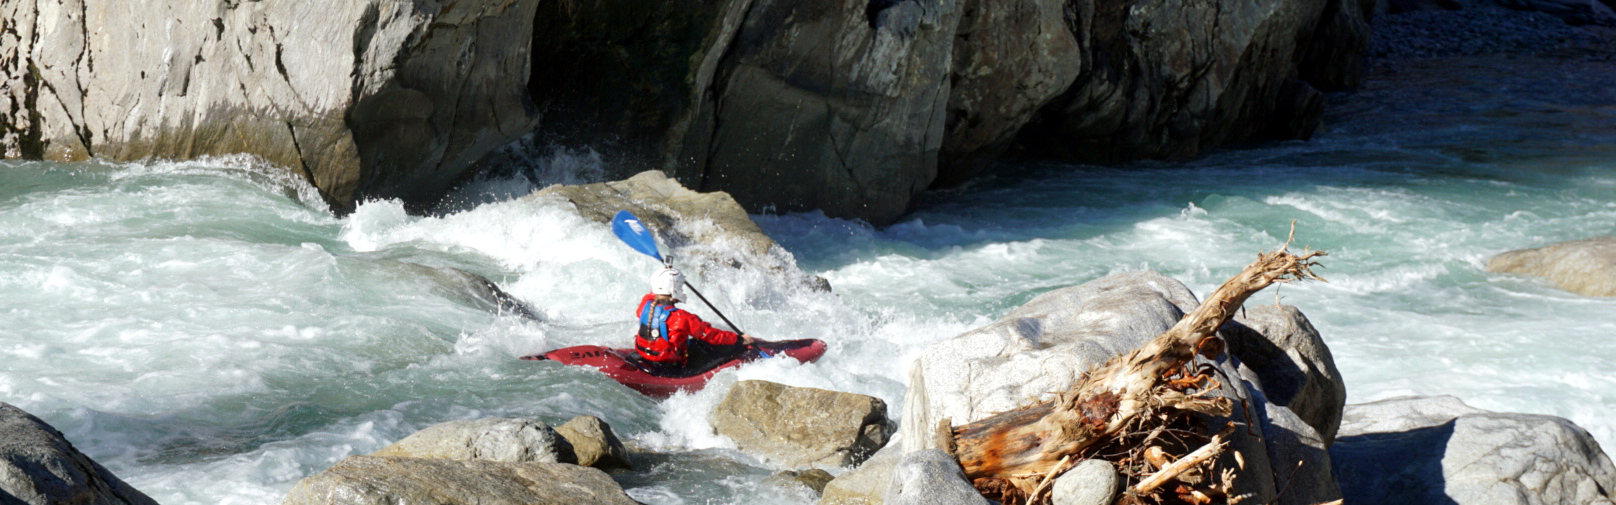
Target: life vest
[[654, 341]]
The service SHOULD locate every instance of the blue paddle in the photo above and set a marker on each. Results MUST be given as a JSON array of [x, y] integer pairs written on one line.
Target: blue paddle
[[631, 231]]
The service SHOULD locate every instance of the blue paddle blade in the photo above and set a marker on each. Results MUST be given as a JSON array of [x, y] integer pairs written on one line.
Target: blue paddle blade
[[631, 231]]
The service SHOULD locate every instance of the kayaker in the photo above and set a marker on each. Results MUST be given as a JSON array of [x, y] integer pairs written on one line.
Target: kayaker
[[675, 343]]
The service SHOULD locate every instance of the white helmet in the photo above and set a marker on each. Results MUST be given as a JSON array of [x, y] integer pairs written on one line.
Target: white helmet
[[669, 281]]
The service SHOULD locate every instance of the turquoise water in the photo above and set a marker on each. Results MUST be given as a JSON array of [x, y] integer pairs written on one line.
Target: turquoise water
[[210, 332]]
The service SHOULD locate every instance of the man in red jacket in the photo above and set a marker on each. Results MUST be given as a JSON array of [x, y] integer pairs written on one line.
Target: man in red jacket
[[675, 343]]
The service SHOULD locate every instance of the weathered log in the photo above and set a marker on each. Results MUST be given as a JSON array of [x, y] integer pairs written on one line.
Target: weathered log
[[1020, 447]]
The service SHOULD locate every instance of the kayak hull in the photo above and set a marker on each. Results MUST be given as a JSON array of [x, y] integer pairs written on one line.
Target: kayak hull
[[619, 364]]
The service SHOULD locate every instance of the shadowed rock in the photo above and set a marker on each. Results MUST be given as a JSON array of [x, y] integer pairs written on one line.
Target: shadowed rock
[[366, 480], [39, 467], [594, 443], [1292, 363]]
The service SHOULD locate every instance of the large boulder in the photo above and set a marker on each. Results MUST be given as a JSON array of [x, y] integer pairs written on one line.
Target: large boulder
[[40, 467], [594, 443], [492, 439], [1439, 450], [802, 426], [1586, 267], [1291, 361], [707, 229], [364, 98], [1039, 348], [365, 480]]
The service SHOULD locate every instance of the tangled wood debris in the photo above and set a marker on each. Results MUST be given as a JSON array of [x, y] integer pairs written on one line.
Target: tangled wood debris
[[1146, 413]]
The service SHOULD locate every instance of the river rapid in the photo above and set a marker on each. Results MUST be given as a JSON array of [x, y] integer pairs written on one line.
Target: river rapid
[[212, 333]]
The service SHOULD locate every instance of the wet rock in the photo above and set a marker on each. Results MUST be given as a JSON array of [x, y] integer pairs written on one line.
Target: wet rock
[[365, 99], [1092, 482], [474, 290], [1439, 450], [813, 480], [707, 229], [491, 439], [1586, 267], [931, 477], [40, 467], [867, 484], [594, 443], [370, 480], [1039, 348], [1292, 362], [802, 426]]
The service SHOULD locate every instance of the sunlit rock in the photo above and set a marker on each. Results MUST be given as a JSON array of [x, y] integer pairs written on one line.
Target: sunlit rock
[[492, 439], [867, 484], [1586, 267], [1092, 482], [704, 229], [802, 426], [39, 467], [931, 477], [366, 480], [1439, 450], [594, 443]]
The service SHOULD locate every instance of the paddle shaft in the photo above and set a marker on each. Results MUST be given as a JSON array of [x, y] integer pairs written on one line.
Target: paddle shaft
[[715, 309]]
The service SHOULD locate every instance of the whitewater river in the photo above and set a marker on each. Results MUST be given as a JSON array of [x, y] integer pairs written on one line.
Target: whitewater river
[[212, 333]]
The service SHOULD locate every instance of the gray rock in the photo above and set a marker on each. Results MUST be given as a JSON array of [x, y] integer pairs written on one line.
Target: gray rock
[[706, 229], [1300, 457], [594, 443], [1039, 348], [867, 484], [365, 480], [491, 439], [365, 99], [1092, 482], [813, 480], [1586, 267], [1438, 450], [40, 467], [802, 426], [931, 477], [1292, 363]]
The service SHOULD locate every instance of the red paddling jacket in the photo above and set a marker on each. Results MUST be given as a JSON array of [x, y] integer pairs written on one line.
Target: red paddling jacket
[[664, 330]]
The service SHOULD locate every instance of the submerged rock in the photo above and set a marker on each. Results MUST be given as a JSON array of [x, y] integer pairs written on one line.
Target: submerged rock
[[813, 480], [1439, 450], [40, 467], [1586, 267], [594, 443], [364, 99], [492, 439], [366, 480], [707, 229], [802, 426]]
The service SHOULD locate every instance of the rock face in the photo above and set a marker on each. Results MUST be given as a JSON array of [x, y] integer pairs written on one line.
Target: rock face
[[1586, 267], [802, 426], [1439, 450], [708, 229], [39, 467], [365, 98], [854, 106], [594, 443], [1292, 364], [492, 439], [365, 480]]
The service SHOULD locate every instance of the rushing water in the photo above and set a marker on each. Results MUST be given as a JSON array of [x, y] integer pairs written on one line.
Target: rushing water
[[213, 334]]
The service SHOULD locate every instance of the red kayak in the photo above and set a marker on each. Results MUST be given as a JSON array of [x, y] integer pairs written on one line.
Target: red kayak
[[622, 365]]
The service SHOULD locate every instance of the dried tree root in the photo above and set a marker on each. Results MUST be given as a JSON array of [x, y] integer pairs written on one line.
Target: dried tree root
[[1010, 455]]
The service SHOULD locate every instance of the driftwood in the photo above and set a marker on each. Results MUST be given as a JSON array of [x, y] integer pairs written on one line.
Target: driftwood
[[1122, 409]]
